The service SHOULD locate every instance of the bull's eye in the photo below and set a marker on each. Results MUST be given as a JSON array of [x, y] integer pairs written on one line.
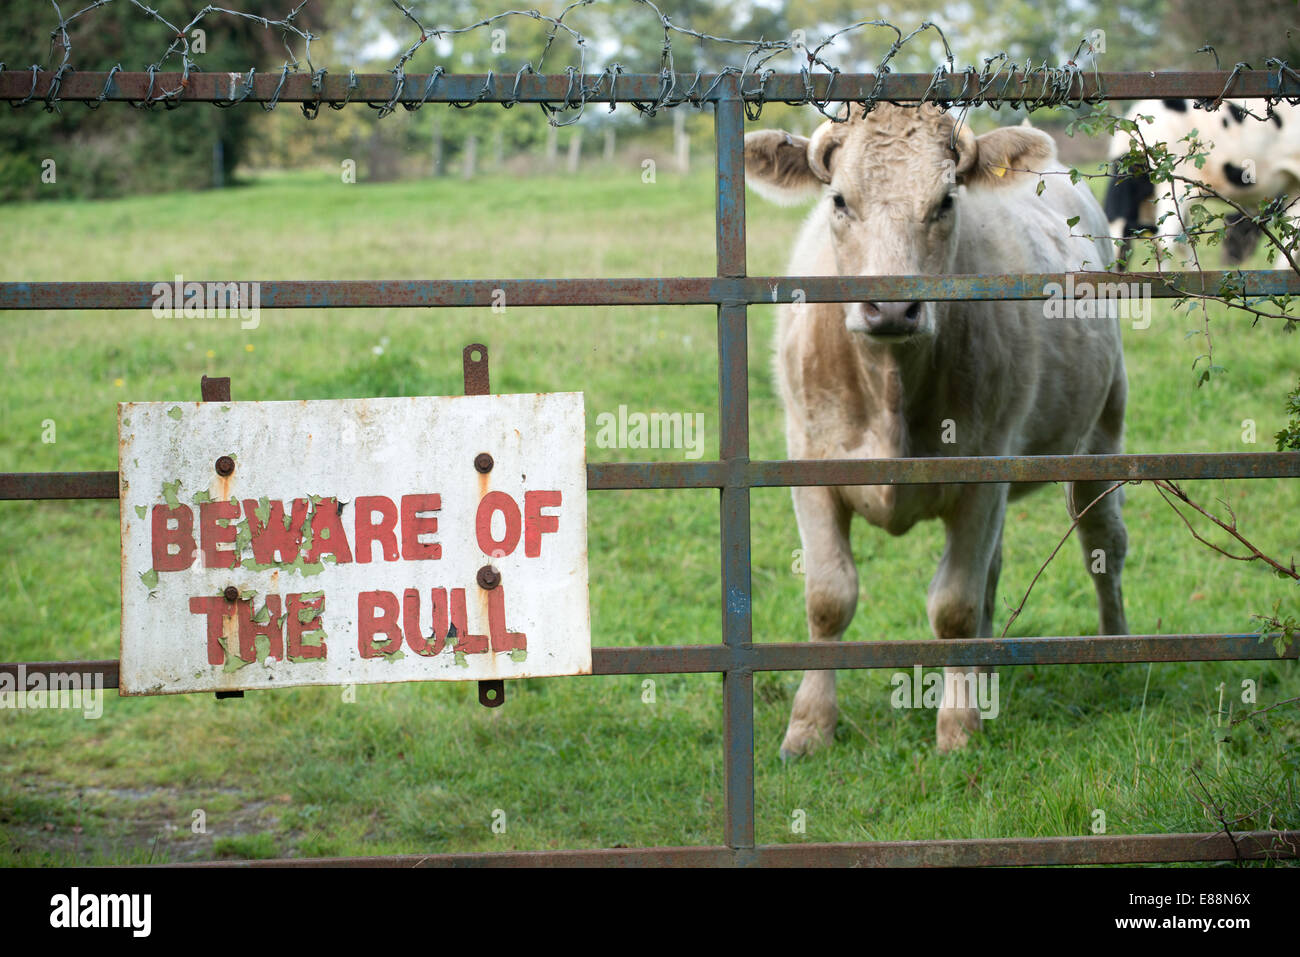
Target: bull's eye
[[944, 208], [840, 205]]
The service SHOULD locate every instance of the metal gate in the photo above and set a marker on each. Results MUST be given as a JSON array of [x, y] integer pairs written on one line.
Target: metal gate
[[734, 473]]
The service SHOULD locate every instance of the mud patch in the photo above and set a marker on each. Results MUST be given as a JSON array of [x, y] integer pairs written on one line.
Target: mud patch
[[50, 822]]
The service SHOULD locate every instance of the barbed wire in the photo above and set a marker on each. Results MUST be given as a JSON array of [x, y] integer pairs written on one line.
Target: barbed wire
[[999, 80]]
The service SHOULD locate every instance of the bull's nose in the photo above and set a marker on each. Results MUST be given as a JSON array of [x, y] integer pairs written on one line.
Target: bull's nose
[[891, 319]]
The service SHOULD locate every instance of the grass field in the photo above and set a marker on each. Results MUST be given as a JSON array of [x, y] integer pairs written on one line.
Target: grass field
[[584, 762]]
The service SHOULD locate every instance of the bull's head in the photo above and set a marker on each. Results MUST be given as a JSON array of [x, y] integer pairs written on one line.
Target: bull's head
[[893, 184]]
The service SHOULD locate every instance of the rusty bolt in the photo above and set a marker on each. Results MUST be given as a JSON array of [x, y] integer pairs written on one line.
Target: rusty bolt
[[483, 462], [488, 577], [225, 465], [231, 593]]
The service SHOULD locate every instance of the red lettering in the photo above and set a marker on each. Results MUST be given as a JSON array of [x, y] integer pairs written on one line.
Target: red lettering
[[411, 622], [182, 536], [277, 534], [367, 531], [535, 523], [497, 502], [296, 629], [412, 525], [215, 608], [250, 630], [327, 535], [369, 624], [502, 640], [465, 642], [212, 534]]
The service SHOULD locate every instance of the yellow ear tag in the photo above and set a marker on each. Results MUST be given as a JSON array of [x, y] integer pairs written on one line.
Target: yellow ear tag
[[999, 171]]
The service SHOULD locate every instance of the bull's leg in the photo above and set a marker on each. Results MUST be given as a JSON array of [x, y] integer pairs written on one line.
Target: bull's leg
[[960, 601], [830, 597], [1101, 529], [991, 589], [1104, 542]]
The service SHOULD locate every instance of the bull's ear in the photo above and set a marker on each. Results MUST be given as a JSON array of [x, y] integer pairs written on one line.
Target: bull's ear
[[1003, 156], [826, 141], [776, 166]]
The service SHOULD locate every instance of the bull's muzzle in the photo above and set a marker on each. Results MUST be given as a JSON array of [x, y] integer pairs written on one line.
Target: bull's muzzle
[[884, 320]]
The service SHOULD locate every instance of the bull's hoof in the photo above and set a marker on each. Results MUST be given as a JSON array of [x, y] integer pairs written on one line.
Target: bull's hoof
[[955, 726], [803, 738]]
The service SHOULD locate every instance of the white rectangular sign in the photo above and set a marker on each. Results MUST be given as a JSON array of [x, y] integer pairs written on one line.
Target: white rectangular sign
[[272, 544]]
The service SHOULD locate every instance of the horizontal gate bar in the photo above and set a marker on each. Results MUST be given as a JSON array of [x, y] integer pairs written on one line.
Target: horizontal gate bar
[[272, 86], [854, 655], [928, 471], [1031, 468], [51, 485], [786, 473], [1122, 288], [1095, 649], [1000, 852]]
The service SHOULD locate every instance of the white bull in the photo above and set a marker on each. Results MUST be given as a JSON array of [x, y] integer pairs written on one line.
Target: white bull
[[897, 195]]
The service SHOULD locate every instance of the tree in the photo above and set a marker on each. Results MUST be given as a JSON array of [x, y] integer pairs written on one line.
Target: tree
[[117, 149]]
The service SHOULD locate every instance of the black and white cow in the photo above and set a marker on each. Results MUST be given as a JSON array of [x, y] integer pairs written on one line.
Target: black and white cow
[[1249, 161]]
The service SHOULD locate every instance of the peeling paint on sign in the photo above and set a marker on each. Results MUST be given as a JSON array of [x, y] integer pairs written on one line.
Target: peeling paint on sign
[[169, 493], [352, 532]]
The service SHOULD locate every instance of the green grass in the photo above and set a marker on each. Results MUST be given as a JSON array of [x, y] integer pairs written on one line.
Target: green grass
[[583, 762]]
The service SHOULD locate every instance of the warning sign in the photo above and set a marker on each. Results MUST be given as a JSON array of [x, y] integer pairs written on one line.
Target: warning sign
[[273, 544]]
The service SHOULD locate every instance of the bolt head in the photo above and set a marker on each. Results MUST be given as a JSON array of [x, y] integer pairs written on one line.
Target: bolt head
[[225, 465], [231, 593], [488, 577], [483, 462]]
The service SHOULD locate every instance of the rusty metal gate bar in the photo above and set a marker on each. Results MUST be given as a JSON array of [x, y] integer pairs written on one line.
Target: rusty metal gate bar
[[733, 455], [355, 294], [790, 472], [556, 89], [734, 474], [802, 655]]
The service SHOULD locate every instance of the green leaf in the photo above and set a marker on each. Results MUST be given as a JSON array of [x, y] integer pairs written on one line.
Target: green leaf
[[1072, 221]]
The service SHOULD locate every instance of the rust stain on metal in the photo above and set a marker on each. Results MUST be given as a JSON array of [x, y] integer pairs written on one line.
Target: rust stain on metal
[[221, 490], [475, 363], [215, 388]]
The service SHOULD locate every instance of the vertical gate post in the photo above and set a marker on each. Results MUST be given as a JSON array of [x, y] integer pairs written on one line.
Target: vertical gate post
[[733, 450], [474, 363]]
